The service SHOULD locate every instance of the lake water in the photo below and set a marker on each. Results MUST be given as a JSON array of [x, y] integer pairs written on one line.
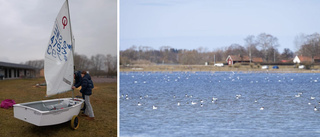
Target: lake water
[[284, 113]]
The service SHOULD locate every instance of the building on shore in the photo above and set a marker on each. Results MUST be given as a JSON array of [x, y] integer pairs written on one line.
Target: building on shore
[[12, 70], [305, 59], [232, 59]]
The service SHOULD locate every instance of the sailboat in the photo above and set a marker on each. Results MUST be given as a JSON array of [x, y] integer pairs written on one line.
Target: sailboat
[[59, 69]]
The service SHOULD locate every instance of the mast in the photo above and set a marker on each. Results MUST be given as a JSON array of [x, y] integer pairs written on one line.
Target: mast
[[72, 45]]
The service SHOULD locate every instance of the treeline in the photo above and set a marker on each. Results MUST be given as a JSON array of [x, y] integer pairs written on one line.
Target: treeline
[[98, 65], [263, 45]]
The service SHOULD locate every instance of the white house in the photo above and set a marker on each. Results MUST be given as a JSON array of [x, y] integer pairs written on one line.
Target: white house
[[296, 60], [301, 59]]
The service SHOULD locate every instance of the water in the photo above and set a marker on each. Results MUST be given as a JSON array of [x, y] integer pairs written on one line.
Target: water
[[284, 114]]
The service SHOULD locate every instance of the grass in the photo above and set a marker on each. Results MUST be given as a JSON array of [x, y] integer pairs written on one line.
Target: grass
[[103, 101]]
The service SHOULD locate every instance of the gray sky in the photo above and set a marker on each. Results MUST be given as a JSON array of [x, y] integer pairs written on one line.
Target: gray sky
[[26, 26], [212, 24]]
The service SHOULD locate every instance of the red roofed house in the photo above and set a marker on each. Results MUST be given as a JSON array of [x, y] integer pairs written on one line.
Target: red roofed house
[[302, 59], [232, 59]]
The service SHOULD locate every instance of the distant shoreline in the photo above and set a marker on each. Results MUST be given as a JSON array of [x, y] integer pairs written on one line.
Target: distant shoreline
[[210, 68]]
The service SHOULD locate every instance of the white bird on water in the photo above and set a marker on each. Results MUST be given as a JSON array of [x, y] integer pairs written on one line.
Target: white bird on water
[[178, 104], [139, 104], [214, 99], [193, 103], [238, 96], [312, 97], [315, 108], [262, 108], [154, 107]]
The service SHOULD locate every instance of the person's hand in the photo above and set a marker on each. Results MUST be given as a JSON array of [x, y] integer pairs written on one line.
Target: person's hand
[[73, 87]]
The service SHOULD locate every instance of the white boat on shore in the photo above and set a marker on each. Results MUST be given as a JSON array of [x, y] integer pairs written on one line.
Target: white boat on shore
[[48, 112], [58, 69]]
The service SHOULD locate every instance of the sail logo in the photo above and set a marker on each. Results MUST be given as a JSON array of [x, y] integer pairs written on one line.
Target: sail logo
[[64, 21], [58, 47], [66, 81]]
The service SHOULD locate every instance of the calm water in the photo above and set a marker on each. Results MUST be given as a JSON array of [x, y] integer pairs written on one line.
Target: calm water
[[284, 114]]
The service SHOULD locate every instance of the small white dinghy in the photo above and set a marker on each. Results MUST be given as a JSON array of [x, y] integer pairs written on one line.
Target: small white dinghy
[[49, 112], [59, 69]]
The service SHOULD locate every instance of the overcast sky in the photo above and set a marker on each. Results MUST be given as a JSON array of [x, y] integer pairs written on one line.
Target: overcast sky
[[26, 26], [189, 24]]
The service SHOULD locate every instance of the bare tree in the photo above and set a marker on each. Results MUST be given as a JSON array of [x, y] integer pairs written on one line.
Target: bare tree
[[250, 44], [235, 49], [98, 64], [265, 42], [35, 63], [82, 62], [299, 40], [311, 47], [286, 54]]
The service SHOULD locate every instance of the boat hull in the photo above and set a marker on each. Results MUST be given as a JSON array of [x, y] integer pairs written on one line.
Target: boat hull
[[48, 112]]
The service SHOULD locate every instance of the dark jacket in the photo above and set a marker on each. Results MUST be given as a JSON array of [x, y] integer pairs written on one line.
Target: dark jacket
[[86, 85], [77, 78]]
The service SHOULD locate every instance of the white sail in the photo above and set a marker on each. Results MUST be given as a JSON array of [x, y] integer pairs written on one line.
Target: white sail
[[58, 63]]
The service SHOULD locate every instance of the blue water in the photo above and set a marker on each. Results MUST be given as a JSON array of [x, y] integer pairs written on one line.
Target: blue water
[[284, 114]]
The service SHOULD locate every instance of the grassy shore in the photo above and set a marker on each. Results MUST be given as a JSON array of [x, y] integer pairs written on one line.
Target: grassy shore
[[245, 68], [103, 101]]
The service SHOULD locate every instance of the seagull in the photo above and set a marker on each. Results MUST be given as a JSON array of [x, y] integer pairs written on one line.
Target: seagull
[[214, 99], [140, 97], [297, 95], [178, 104], [312, 97], [255, 101], [201, 101], [262, 108], [238, 96], [154, 107], [315, 108], [193, 103], [309, 103], [201, 105], [174, 96], [139, 104]]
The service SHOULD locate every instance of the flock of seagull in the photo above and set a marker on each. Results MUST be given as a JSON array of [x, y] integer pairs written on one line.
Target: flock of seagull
[[213, 99]]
